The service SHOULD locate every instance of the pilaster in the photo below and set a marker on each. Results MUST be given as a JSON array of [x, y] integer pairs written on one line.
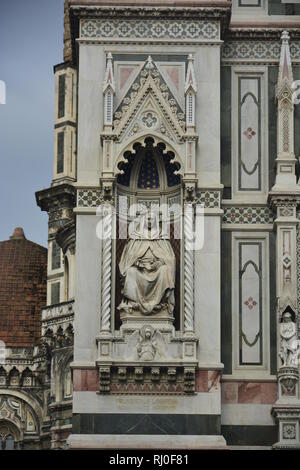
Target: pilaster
[[287, 408]]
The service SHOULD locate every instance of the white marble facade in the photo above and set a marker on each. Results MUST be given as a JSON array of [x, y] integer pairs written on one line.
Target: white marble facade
[[171, 109]]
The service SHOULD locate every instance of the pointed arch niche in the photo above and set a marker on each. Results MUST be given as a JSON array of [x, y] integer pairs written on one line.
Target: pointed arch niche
[[148, 174]]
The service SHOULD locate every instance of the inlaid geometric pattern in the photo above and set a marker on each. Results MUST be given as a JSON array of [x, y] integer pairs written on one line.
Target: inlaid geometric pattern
[[249, 133], [139, 29], [289, 431], [250, 303], [210, 199], [88, 198], [285, 211], [257, 50], [248, 215]]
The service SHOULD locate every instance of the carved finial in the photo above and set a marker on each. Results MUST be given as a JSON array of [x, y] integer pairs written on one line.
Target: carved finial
[[285, 36], [285, 64], [109, 81], [149, 64], [190, 90], [109, 91], [190, 82]]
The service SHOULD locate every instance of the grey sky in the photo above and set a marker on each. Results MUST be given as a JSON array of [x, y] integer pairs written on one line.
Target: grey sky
[[31, 42]]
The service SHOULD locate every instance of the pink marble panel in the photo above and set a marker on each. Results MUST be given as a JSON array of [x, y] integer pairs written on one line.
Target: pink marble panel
[[229, 392], [201, 380], [92, 380], [269, 392], [249, 392], [85, 380]]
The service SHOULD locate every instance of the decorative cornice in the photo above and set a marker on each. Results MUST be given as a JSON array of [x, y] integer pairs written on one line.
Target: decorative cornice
[[268, 31], [216, 11], [212, 11], [286, 199], [63, 193], [64, 66], [147, 3], [149, 29]]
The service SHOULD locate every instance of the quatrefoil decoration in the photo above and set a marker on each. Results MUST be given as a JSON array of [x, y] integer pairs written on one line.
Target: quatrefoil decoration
[[149, 120], [249, 133], [250, 302]]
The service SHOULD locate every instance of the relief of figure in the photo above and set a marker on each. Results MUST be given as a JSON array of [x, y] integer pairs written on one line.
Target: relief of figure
[[289, 344], [147, 346], [147, 269]]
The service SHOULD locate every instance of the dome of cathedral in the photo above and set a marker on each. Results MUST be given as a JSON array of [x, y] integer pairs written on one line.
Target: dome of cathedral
[[23, 283]]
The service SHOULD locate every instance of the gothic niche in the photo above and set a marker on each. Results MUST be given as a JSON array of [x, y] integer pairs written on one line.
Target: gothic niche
[[147, 269], [148, 259]]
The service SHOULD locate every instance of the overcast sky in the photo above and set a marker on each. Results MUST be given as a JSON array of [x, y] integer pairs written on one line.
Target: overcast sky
[[31, 42]]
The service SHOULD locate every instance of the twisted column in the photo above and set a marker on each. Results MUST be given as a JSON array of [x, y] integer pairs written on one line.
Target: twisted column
[[188, 268], [106, 269]]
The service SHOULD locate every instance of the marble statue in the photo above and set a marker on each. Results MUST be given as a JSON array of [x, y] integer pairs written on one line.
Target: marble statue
[[147, 269], [289, 344]]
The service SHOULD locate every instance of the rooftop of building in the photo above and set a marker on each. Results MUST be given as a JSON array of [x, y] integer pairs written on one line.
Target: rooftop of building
[[23, 283]]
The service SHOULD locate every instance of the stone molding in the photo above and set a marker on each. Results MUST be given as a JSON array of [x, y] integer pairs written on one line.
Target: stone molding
[[267, 51], [147, 379], [130, 28]]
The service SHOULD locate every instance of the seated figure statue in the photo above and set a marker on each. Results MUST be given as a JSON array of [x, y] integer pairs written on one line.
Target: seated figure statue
[[147, 269]]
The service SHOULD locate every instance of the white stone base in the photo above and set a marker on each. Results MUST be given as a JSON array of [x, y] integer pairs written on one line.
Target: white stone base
[[144, 441], [281, 446]]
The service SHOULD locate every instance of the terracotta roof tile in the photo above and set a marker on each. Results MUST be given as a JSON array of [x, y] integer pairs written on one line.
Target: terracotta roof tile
[[23, 283]]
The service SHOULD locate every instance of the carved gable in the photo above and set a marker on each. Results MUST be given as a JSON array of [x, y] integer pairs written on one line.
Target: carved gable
[[149, 105]]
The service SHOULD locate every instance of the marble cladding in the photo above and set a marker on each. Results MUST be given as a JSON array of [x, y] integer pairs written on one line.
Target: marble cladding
[[249, 392], [85, 380]]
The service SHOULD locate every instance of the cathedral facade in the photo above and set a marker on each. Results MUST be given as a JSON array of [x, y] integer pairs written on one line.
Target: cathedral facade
[[174, 236]]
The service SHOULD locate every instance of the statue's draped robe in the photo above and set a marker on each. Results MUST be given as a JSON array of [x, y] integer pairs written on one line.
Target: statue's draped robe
[[147, 266]]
